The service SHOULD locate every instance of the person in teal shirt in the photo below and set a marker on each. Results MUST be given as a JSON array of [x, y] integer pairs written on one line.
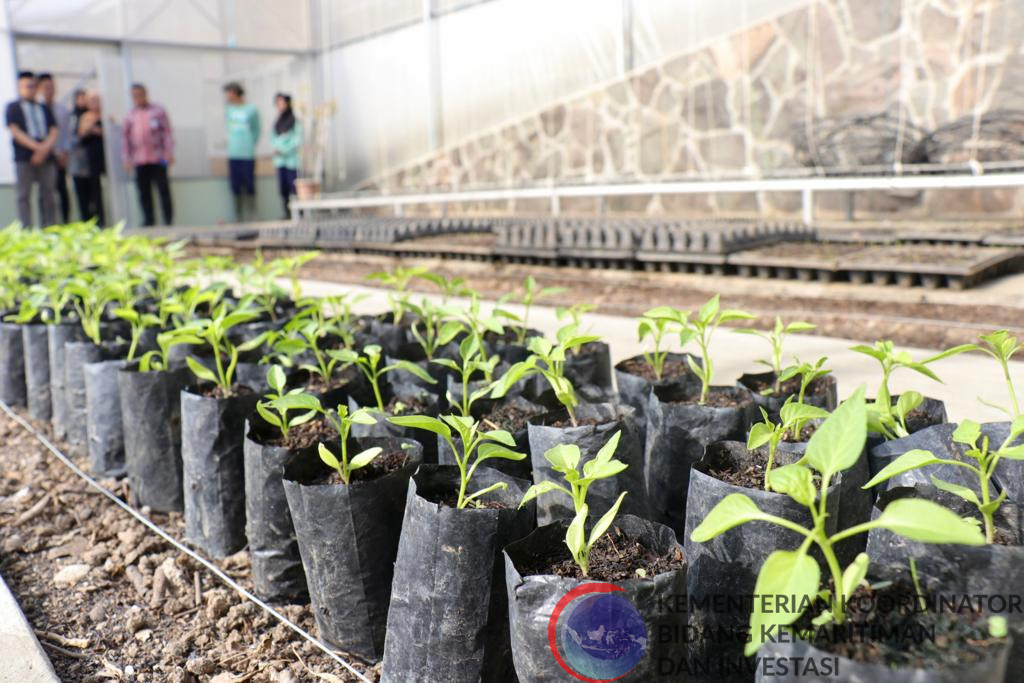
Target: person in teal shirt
[[287, 143], [243, 128]]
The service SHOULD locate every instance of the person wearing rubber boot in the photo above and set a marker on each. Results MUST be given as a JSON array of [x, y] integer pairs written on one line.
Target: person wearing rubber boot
[[243, 132]]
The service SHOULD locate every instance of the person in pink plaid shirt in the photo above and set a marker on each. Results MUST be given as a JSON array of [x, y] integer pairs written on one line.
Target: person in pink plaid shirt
[[149, 149]]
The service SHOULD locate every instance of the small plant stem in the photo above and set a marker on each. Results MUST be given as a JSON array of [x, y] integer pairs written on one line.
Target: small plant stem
[[917, 586], [772, 447], [839, 608], [990, 529], [136, 333], [1014, 408], [463, 479], [220, 369], [705, 381]]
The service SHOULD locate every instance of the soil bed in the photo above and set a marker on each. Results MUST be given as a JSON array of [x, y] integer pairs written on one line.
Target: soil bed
[[510, 417], [637, 366], [959, 639], [80, 567], [613, 558]]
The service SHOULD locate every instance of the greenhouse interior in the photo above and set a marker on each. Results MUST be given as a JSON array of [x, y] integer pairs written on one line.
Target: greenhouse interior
[[493, 341]]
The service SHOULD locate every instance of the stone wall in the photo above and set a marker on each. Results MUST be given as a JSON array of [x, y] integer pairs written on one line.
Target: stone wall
[[836, 86]]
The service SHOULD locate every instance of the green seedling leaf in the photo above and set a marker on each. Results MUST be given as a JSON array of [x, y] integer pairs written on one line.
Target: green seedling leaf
[[957, 490], [328, 457], [199, 370], [541, 488], [837, 444], [855, 573], [911, 460], [606, 521], [794, 480], [928, 522], [363, 459], [731, 511], [429, 424], [794, 576], [967, 432]]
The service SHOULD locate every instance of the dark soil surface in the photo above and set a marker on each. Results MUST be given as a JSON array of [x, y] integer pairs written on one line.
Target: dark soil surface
[[791, 387], [382, 465], [303, 436], [959, 638], [805, 433], [411, 405], [673, 369], [215, 391], [451, 500], [510, 417], [566, 423], [805, 251], [924, 253], [613, 558], [717, 400], [132, 607], [316, 384], [913, 320]]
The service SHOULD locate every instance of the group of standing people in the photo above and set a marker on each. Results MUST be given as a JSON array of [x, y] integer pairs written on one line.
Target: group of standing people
[[51, 142], [243, 134]]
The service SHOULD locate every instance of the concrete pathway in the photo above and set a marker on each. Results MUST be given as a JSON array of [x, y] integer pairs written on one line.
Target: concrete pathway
[[26, 662], [965, 376]]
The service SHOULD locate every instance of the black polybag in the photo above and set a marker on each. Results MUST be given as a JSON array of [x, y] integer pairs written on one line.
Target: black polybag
[[677, 434], [213, 473], [12, 365], [610, 418], [532, 600], [348, 538], [449, 612], [151, 422], [35, 344]]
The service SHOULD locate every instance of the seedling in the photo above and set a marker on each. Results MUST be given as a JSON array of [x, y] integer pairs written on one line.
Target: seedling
[[547, 359], [450, 287], [794, 575], [776, 337], [1002, 346], [308, 331], [368, 363], [531, 295], [471, 448], [792, 418], [967, 433], [574, 313], [807, 374], [215, 332], [398, 281], [565, 459], [656, 324], [90, 299], [701, 328], [259, 277], [342, 420], [281, 402], [472, 362], [432, 328], [888, 420], [139, 321], [158, 360]]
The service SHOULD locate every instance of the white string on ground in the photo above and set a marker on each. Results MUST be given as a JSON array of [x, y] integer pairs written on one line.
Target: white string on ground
[[212, 568]]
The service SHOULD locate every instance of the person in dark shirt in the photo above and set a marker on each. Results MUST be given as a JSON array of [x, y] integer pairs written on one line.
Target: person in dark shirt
[[34, 136], [90, 137], [48, 97]]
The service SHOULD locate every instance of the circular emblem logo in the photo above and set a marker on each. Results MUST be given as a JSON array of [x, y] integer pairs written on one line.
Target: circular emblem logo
[[601, 633]]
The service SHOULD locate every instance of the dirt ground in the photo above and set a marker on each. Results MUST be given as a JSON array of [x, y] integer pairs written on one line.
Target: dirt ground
[[111, 601], [908, 317]]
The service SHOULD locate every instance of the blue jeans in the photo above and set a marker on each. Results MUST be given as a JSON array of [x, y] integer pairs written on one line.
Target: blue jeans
[[242, 176], [286, 186]]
